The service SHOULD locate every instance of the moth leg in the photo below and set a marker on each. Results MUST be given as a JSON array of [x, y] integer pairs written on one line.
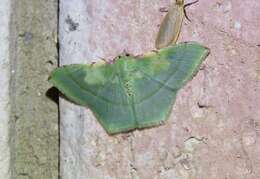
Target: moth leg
[[185, 6]]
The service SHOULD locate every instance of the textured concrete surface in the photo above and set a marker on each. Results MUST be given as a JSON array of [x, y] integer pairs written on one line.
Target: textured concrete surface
[[5, 10], [34, 125], [213, 131]]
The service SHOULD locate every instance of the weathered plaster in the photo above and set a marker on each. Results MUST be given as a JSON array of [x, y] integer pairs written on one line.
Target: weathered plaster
[[5, 10], [34, 121]]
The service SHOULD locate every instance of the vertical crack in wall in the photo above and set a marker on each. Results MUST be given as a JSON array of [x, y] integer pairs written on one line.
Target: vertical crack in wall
[[34, 121], [12, 91]]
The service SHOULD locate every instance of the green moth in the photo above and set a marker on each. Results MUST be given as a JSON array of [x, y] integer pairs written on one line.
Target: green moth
[[133, 92]]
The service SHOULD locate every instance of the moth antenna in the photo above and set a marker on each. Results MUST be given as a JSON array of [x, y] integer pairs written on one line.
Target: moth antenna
[[155, 51], [187, 5], [103, 59], [163, 9], [138, 56]]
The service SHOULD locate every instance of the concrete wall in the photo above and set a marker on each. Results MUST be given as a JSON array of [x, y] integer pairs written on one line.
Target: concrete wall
[[5, 9], [34, 115]]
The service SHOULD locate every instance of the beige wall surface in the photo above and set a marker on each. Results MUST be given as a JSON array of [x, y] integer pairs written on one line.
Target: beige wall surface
[[214, 127], [33, 123]]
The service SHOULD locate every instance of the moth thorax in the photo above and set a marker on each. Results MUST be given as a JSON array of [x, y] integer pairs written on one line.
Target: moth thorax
[[128, 87]]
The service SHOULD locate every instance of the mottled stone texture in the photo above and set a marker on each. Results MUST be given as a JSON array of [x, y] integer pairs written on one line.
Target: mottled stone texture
[[5, 11], [34, 127], [214, 126]]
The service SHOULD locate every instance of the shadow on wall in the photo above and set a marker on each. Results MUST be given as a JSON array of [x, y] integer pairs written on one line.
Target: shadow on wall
[[53, 94]]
